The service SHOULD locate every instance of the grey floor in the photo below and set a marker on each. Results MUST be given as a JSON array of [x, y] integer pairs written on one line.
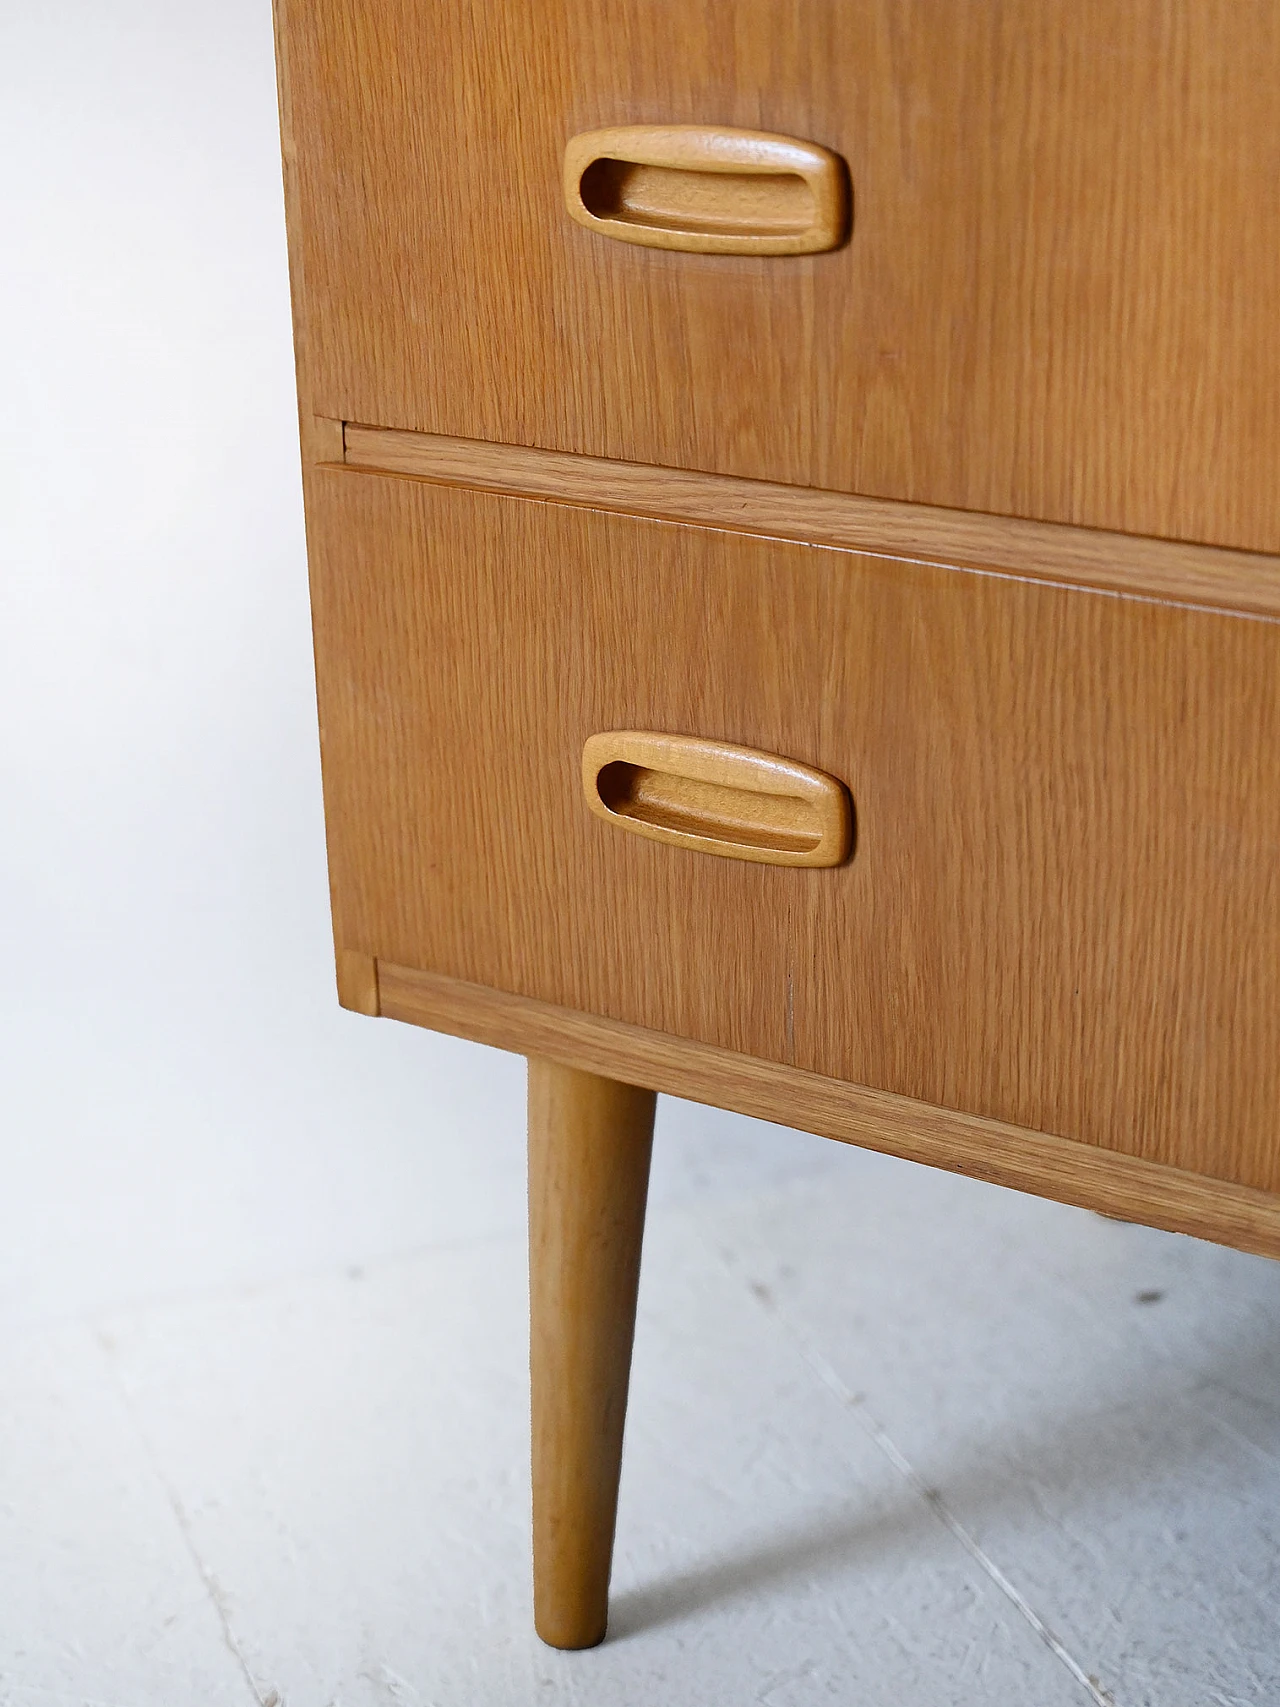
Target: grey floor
[[895, 1437]]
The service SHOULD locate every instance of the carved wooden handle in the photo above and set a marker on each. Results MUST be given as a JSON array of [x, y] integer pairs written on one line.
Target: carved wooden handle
[[708, 189], [717, 798]]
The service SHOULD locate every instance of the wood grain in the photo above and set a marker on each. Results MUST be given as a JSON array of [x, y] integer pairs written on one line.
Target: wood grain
[[1063, 911], [357, 975], [1058, 301], [323, 440], [589, 1146], [315, 433], [716, 798], [1005, 1155], [707, 190], [1190, 574]]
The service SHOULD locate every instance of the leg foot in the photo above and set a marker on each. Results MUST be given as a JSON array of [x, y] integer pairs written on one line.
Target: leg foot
[[589, 1145]]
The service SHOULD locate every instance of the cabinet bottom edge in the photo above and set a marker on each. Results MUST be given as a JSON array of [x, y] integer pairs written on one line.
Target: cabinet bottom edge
[[1064, 1169]]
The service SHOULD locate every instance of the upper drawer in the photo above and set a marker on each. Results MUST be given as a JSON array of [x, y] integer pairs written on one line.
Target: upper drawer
[[1059, 298], [1062, 908]]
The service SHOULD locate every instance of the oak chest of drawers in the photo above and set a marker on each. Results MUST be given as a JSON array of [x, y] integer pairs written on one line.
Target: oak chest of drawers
[[794, 519]]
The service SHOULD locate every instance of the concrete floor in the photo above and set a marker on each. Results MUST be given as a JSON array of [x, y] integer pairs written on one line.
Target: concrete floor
[[895, 1437]]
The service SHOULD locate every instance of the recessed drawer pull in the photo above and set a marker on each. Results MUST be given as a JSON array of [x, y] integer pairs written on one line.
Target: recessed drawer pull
[[717, 798], [708, 189]]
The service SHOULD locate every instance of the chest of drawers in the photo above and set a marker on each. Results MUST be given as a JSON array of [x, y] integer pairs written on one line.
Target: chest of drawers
[[793, 516]]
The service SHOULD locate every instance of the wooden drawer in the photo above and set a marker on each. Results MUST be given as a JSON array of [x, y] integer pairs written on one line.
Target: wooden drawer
[[1062, 910], [1058, 301]]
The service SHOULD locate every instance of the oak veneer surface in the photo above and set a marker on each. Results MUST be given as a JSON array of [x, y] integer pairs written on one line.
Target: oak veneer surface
[[1058, 300], [1062, 911]]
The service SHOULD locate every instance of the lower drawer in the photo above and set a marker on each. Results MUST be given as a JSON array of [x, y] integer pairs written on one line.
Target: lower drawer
[[1062, 909]]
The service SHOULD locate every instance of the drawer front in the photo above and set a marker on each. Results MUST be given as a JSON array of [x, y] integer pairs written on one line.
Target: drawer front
[[1058, 299], [1062, 907]]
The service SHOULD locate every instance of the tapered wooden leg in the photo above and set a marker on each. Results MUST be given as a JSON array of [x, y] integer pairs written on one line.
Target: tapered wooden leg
[[589, 1146]]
